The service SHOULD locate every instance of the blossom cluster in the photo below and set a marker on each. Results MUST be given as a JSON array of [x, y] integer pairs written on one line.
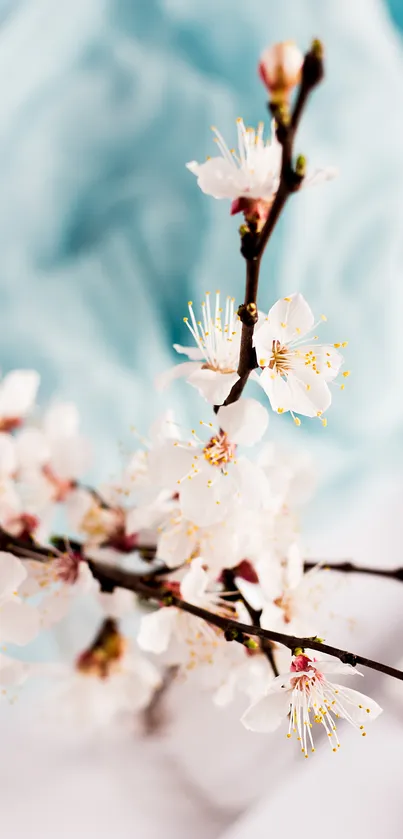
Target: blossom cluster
[[205, 520]]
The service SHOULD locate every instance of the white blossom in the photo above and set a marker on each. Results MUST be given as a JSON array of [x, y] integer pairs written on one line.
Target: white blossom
[[251, 173], [280, 69], [210, 476], [306, 696], [213, 362], [296, 372]]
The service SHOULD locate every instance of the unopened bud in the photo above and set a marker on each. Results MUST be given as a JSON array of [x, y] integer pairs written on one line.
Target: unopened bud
[[251, 644], [300, 165], [280, 69]]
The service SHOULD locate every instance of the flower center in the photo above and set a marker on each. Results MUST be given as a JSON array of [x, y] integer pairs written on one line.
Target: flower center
[[280, 358], [103, 657], [219, 450]]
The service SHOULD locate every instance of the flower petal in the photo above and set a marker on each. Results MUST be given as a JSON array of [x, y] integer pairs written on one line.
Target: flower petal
[[252, 483], [178, 371], [193, 353], [156, 630], [206, 504], [62, 420], [267, 714], [309, 392], [327, 360], [194, 583], [358, 706], [213, 384], [19, 622], [319, 176], [216, 177], [12, 574], [290, 318], [8, 456], [18, 392], [171, 462], [244, 421], [277, 390]]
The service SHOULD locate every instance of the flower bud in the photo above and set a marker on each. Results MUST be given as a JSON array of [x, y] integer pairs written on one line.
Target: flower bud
[[280, 69]]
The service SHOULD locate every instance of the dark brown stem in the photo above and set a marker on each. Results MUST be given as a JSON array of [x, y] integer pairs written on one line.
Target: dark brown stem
[[347, 567], [233, 593]]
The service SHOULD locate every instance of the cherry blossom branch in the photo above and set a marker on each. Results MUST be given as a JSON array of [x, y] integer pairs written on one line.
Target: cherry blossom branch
[[229, 582], [253, 242], [233, 630]]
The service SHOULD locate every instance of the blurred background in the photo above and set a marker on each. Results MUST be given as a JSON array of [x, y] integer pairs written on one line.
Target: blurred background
[[104, 237]]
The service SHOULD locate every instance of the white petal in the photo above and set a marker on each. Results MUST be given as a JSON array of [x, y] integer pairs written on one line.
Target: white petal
[[18, 392], [252, 483], [244, 421], [71, 457], [212, 384], [118, 603], [358, 706], [171, 462], [268, 713], [179, 371], [336, 666], [327, 359], [194, 583], [319, 176], [176, 544], [156, 630], [19, 622], [309, 392], [277, 390], [33, 449], [8, 455], [12, 672], [290, 318], [12, 574], [193, 353], [216, 177], [62, 420], [204, 504]]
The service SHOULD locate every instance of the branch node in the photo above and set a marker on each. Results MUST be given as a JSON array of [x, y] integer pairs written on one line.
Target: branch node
[[349, 658], [248, 313]]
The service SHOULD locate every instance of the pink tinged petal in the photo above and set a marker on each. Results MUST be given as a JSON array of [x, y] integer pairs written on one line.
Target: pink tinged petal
[[62, 420], [268, 713], [358, 706], [290, 318], [277, 390], [213, 385], [18, 392], [193, 353], [319, 176], [309, 392], [194, 583], [19, 622], [244, 421], [8, 455], [179, 371], [12, 574], [156, 630]]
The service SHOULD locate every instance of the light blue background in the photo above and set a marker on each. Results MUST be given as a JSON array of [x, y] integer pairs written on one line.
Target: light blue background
[[104, 235]]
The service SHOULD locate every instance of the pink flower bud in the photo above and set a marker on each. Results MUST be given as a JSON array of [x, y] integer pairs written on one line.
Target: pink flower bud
[[280, 69]]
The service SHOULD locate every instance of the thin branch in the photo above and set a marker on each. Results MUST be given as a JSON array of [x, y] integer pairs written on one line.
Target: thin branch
[[347, 567], [234, 629], [235, 594]]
